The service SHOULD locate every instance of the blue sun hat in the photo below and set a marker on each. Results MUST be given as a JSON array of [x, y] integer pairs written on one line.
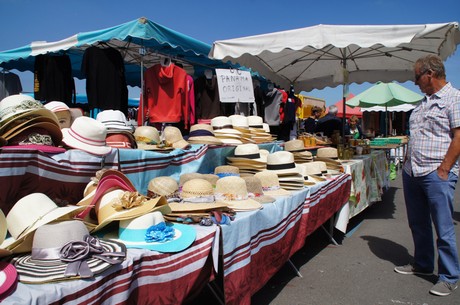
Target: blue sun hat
[[150, 231]]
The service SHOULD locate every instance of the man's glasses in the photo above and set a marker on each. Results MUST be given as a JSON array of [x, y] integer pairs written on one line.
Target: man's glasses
[[417, 76]]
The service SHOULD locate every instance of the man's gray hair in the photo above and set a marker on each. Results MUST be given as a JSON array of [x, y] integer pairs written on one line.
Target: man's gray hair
[[333, 109]]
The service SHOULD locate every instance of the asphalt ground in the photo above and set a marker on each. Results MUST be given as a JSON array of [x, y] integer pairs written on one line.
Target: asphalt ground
[[358, 271]]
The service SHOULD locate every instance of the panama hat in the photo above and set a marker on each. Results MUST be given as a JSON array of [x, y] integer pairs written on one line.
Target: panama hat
[[223, 130], [70, 254], [270, 184], [173, 137], [226, 170], [233, 192], [309, 177], [28, 214], [248, 152], [150, 231], [255, 122], [295, 145], [203, 134], [327, 152], [113, 119], [163, 186], [255, 191], [282, 163], [8, 279], [88, 135], [313, 170], [18, 106]]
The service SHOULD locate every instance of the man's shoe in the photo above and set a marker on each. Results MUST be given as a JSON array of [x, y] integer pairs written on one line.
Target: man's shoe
[[409, 269], [443, 288]]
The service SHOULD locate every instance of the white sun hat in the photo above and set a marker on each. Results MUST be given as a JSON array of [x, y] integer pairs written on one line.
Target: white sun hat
[[113, 119], [88, 135]]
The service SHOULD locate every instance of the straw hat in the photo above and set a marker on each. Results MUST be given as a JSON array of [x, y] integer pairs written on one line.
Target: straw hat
[[295, 145], [203, 134], [270, 184], [3, 232], [8, 279], [197, 196], [248, 153], [232, 191], [226, 170], [255, 191], [42, 136], [88, 135], [327, 152], [188, 176], [28, 214], [173, 137], [150, 231], [223, 130], [113, 119], [148, 138], [163, 186], [313, 170], [240, 122], [46, 264], [282, 163], [255, 122]]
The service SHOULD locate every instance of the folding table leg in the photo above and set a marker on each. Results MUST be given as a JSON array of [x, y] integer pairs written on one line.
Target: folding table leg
[[295, 268], [216, 291]]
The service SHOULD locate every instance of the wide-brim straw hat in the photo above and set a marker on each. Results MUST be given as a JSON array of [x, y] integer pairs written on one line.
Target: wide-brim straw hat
[[44, 265], [270, 184], [174, 138], [29, 213], [197, 195], [88, 135], [232, 191], [113, 119], [282, 163], [226, 170], [295, 145], [133, 232], [53, 130]]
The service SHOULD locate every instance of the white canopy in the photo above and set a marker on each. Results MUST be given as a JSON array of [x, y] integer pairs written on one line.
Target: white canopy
[[330, 55]]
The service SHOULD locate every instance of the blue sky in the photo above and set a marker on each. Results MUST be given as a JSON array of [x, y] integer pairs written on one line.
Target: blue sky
[[24, 21]]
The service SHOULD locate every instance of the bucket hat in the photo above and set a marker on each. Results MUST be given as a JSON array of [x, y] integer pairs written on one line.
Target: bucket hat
[[270, 184], [233, 192], [28, 214], [56, 106], [226, 170], [173, 137], [203, 134], [88, 135], [150, 231], [113, 119], [120, 139], [163, 186], [282, 163], [197, 196], [255, 191], [70, 254], [8, 279]]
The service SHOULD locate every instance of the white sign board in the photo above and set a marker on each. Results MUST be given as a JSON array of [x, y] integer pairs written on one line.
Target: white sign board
[[235, 86]]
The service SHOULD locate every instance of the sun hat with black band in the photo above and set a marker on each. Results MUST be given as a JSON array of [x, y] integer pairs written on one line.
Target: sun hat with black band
[[282, 163], [71, 254], [203, 134], [88, 135], [248, 152]]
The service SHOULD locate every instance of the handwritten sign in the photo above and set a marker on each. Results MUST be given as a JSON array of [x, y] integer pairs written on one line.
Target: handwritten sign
[[235, 86]]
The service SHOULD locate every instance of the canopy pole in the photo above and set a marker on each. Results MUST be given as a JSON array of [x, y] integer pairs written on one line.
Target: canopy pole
[[141, 106], [344, 89]]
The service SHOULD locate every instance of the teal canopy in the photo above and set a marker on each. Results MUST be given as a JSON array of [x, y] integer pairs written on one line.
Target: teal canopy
[[141, 43]]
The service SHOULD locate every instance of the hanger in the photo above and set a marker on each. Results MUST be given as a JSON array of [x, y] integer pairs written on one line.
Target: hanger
[[208, 73], [165, 61]]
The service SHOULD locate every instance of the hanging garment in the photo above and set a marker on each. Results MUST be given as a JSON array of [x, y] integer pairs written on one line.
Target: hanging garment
[[53, 80], [272, 102], [105, 79], [166, 94], [9, 84], [191, 99], [207, 101]]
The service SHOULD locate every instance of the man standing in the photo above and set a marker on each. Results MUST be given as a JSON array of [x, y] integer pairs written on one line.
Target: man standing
[[330, 122], [430, 174]]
